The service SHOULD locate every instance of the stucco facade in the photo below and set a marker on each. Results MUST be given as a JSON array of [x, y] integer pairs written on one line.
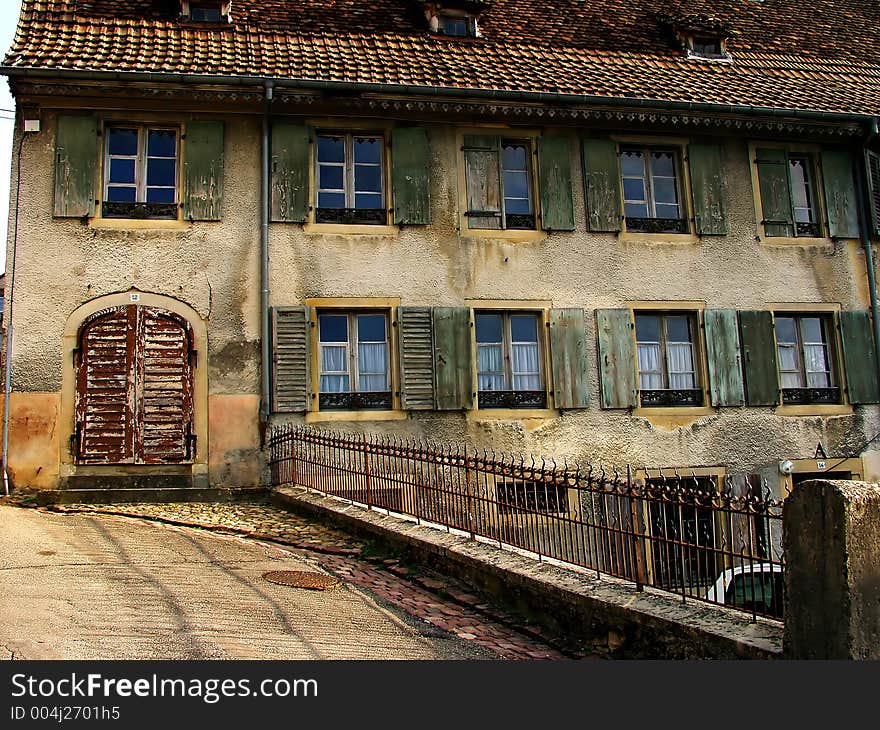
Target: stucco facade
[[209, 272]]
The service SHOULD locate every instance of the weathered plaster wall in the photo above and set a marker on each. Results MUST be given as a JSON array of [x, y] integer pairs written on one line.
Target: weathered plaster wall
[[214, 268]]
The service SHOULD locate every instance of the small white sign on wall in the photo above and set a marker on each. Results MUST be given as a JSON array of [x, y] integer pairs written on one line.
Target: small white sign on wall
[[135, 297], [820, 464]]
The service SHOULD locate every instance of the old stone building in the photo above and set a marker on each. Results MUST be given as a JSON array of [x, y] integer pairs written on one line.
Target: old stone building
[[619, 232]]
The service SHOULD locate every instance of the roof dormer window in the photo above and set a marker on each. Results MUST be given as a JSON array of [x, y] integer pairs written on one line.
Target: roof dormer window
[[207, 11], [707, 46], [457, 26]]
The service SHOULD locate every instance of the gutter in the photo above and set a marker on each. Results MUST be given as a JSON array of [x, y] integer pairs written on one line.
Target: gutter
[[265, 213], [434, 91]]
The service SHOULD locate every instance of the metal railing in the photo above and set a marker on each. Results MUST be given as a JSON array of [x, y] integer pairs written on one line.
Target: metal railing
[[702, 537]]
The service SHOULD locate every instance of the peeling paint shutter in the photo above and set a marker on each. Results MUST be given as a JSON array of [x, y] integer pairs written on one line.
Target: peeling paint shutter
[[602, 181], [203, 171], [775, 191], [290, 359], [568, 355], [105, 377], [872, 162], [483, 178], [554, 169], [165, 399], [290, 172], [76, 165], [617, 358], [759, 358], [723, 356], [411, 176], [415, 335], [860, 357], [709, 186], [453, 360], [840, 193]]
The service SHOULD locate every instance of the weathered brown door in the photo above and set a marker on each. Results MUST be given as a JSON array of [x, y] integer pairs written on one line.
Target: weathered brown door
[[134, 401]]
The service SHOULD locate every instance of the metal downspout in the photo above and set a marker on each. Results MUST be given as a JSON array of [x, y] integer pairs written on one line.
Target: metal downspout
[[264, 258], [865, 225]]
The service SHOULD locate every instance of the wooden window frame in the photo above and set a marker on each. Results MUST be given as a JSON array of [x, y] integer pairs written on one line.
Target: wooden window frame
[[797, 150], [506, 349], [834, 352], [141, 160], [348, 165], [695, 327], [646, 150]]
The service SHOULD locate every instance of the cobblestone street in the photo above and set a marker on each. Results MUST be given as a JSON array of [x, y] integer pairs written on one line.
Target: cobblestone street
[[418, 596]]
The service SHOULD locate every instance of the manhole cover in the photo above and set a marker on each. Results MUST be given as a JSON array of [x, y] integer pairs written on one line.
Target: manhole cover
[[302, 579]]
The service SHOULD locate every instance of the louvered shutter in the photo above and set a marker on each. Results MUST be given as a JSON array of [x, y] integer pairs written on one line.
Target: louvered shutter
[[569, 358], [76, 166], [165, 408], [554, 179], [411, 176], [453, 359], [709, 188], [860, 357], [290, 359], [602, 182], [415, 338], [758, 341], [723, 356], [617, 358], [290, 172], [203, 171], [482, 170], [872, 162], [775, 191], [840, 193], [105, 376]]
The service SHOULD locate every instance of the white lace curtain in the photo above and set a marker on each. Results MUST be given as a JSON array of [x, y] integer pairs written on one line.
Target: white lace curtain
[[679, 365], [525, 367]]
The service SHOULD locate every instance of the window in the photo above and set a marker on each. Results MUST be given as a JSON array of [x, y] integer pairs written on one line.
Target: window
[[509, 360], [706, 47], [789, 193], [498, 173], [141, 173], [806, 371], [206, 12], [353, 360], [667, 360], [351, 185], [652, 191], [459, 26]]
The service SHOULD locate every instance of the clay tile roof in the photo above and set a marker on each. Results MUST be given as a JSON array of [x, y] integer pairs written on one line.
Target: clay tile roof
[[818, 55]]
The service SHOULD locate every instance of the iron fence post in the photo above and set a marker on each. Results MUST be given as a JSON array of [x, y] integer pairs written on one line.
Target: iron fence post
[[366, 448], [470, 495], [638, 528]]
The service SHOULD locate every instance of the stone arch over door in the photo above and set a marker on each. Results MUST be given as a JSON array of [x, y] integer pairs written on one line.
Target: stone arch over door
[[134, 388], [134, 392]]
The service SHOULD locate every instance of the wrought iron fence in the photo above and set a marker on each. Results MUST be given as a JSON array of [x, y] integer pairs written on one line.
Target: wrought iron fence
[[700, 536]]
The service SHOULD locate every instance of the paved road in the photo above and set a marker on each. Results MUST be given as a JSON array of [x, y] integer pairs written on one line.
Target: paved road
[[85, 586]]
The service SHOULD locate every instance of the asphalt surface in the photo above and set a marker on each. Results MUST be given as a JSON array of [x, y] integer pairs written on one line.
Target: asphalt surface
[[86, 586]]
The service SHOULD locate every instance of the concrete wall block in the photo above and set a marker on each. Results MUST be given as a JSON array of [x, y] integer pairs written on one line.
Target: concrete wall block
[[831, 538]]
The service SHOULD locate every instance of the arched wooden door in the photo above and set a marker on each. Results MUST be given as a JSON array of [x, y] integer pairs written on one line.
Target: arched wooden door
[[134, 388]]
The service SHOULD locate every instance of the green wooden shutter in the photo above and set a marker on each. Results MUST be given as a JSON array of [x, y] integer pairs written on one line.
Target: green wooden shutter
[[482, 171], [723, 357], [602, 181], [76, 166], [872, 163], [569, 359], [453, 360], [411, 176], [415, 339], [860, 357], [840, 193], [709, 187], [617, 358], [775, 191], [290, 172], [759, 358], [554, 178], [290, 359], [203, 171]]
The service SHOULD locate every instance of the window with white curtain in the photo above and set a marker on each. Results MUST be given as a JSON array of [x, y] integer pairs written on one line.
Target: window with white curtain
[[354, 358], [667, 357], [805, 358], [509, 372]]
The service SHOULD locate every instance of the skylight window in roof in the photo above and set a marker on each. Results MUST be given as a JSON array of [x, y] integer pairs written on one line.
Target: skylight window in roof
[[707, 46]]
